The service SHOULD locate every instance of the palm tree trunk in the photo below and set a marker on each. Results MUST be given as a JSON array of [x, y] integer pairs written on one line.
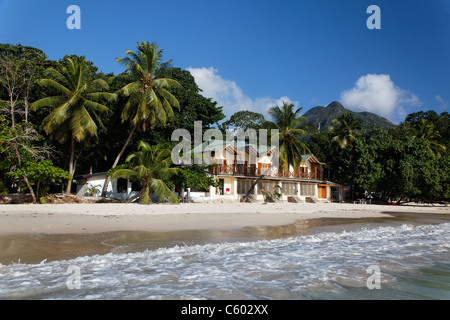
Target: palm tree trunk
[[33, 196], [108, 179], [71, 167], [250, 190], [135, 196]]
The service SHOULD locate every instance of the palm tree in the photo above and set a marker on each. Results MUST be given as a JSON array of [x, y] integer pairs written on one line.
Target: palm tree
[[76, 107], [345, 129], [289, 123], [425, 129], [150, 167], [148, 97]]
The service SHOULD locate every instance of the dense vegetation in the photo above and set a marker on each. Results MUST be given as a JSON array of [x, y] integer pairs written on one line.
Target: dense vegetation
[[67, 115], [64, 118], [408, 162]]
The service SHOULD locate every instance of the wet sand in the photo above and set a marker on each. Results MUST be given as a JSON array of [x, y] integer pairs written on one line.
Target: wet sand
[[34, 248], [97, 218]]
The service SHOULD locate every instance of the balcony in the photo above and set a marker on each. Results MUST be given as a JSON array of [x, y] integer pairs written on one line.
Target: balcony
[[254, 171]]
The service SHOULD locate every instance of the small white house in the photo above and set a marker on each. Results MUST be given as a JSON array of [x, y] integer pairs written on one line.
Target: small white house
[[92, 185]]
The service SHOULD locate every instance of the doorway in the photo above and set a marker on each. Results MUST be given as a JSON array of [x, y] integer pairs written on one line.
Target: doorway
[[322, 192]]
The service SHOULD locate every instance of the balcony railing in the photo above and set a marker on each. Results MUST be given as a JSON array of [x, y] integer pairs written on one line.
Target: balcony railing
[[253, 171]]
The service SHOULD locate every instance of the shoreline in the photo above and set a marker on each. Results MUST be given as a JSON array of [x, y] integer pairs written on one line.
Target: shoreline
[[36, 233], [111, 217]]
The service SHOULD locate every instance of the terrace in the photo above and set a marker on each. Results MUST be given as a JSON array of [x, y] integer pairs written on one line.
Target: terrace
[[252, 170]]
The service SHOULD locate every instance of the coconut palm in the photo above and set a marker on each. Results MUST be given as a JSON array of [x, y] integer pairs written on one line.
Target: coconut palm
[[345, 129], [291, 129], [148, 97], [76, 107], [425, 129], [150, 166]]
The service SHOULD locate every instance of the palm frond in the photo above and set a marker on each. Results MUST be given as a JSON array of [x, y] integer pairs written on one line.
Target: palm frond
[[166, 83], [125, 174], [169, 97], [145, 196], [98, 85], [95, 106], [48, 102], [50, 83], [101, 96], [54, 74], [130, 88], [161, 190]]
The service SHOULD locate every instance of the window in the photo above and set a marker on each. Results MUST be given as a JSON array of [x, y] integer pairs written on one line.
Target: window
[[268, 186], [307, 189], [243, 185], [122, 185], [289, 188]]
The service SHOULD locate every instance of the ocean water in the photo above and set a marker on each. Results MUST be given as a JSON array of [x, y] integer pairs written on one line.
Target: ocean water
[[413, 263]]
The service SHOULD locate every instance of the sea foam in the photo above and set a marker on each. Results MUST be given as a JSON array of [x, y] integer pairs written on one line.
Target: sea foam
[[322, 265]]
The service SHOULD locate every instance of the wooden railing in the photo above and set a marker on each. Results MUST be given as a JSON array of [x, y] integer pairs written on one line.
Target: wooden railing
[[253, 171]]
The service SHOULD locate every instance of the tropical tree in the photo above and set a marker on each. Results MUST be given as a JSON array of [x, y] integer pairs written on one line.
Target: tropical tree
[[40, 171], [426, 130], [76, 107], [20, 66], [150, 166], [148, 97], [345, 129], [244, 120], [291, 129]]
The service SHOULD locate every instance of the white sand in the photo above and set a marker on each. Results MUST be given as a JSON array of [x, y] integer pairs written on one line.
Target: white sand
[[91, 218]]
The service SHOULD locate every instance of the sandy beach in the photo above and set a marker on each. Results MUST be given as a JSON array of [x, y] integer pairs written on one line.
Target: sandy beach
[[96, 218], [57, 232]]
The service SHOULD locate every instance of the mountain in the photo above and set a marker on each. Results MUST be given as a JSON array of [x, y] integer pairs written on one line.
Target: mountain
[[321, 117]]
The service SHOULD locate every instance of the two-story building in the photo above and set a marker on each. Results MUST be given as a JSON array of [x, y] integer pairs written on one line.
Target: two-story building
[[238, 165]]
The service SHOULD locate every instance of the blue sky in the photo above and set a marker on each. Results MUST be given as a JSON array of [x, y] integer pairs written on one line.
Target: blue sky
[[251, 54]]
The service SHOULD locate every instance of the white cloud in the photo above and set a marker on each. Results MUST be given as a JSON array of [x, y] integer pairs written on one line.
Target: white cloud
[[377, 93], [229, 95], [444, 104]]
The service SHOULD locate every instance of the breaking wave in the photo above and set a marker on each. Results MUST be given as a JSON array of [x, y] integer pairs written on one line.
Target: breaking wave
[[324, 265]]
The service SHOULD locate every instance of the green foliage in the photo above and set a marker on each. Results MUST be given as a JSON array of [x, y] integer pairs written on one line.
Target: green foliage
[[433, 127], [291, 129], [76, 107], [194, 177], [244, 120], [119, 167], [5, 137], [3, 189], [393, 164], [39, 171], [272, 197], [93, 190], [150, 166], [345, 128], [149, 98], [36, 172], [405, 162]]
